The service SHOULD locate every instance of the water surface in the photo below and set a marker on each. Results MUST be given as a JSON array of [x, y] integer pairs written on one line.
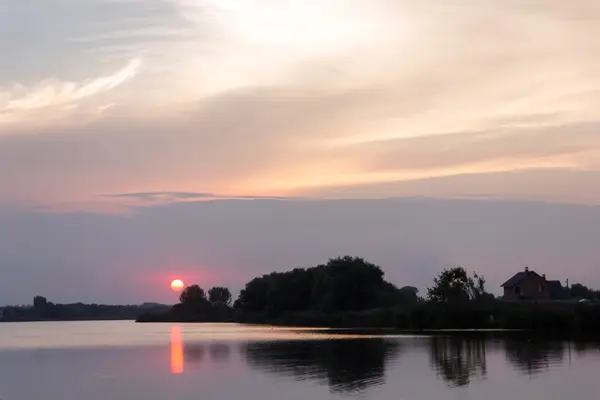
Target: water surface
[[124, 360]]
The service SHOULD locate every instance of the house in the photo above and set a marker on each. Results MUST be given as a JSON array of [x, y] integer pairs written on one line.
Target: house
[[529, 285]]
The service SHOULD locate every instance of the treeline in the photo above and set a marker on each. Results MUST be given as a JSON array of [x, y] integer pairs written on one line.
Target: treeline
[[345, 284], [349, 292], [44, 310], [544, 318], [195, 306], [579, 291]]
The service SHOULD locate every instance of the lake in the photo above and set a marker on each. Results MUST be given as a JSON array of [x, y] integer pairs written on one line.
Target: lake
[[128, 361]]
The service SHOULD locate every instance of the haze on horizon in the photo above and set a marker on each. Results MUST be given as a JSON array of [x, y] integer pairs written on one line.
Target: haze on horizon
[[213, 141]]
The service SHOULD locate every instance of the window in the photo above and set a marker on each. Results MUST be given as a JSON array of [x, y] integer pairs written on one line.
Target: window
[[517, 290], [541, 288]]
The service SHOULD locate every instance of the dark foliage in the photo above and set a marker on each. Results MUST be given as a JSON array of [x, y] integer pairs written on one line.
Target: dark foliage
[[43, 310], [193, 296], [579, 291], [342, 285], [195, 307], [455, 285], [220, 295], [40, 303], [543, 318], [408, 294]]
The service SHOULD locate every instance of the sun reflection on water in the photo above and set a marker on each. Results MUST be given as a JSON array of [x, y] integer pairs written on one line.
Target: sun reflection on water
[[176, 350]]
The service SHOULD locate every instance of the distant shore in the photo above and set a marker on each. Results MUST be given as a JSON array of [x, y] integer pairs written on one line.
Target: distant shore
[[44, 310]]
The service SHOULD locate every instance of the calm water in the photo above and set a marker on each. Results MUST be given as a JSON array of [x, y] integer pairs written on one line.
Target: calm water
[[124, 360]]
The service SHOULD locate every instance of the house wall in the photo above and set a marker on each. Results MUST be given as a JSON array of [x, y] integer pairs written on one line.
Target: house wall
[[532, 288]]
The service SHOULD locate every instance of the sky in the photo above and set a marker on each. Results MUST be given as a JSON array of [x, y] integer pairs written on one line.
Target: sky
[[214, 141]]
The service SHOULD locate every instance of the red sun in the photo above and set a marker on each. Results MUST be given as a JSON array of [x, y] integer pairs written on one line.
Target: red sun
[[177, 285]]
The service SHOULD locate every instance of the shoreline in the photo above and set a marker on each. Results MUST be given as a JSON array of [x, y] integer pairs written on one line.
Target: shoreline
[[494, 316]]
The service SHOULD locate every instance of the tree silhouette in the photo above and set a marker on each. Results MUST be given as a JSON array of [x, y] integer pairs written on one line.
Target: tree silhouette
[[579, 291], [192, 295], [40, 302], [220, 295], [344, 284], [409, 294], [455, 285]]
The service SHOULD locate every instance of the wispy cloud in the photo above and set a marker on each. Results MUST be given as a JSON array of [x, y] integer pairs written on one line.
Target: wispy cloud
[[173, 197], [57, 96], [130, 203]]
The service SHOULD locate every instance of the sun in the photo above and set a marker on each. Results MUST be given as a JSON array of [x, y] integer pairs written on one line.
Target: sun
[[177, 285]]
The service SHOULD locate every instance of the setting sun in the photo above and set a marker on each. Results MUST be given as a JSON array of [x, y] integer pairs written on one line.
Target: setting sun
[[177, 285]]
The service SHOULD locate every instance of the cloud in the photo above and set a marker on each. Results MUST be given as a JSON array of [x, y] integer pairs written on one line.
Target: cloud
[[249, 107], [154, 198], [56, 96], [547, 186], [268, 142], [506, 148]]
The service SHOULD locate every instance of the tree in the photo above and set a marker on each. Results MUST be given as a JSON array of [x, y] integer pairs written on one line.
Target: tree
[[350, 284], [455, 285], [409, 294], [342, 284], [192, 295], [579, 291], [40, 302], [220, 295]]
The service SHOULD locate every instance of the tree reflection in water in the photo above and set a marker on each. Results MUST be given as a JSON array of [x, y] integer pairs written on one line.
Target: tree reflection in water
[[533, 356], [458, 359], [344, 365], [219, 352], [194, 352]]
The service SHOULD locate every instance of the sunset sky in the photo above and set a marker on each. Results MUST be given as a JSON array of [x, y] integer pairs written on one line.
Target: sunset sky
[[212, 141]]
